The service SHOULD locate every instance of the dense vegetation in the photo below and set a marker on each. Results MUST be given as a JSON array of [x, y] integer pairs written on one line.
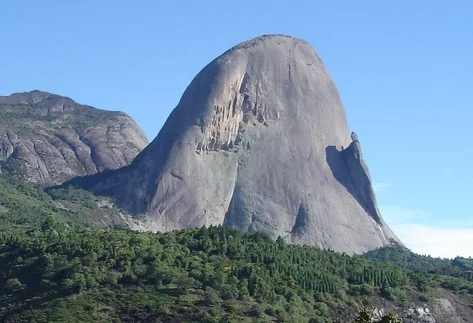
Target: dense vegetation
[[404, 258], [205, 274], [56, 265], [215, 274], [25, 206]]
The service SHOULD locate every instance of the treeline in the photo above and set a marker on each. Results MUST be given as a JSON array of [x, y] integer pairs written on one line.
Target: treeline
[[406, 259], [206, 275]]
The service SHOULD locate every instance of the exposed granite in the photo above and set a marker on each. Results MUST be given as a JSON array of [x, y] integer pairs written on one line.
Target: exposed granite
[[48, 139]]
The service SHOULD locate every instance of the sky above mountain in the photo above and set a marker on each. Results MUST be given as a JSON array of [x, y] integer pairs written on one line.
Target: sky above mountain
[[403, 69]]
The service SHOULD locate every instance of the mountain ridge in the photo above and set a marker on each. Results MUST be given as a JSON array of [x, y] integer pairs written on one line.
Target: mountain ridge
[[47, 138]]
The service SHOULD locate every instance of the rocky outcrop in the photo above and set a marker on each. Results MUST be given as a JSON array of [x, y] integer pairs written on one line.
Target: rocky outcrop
[[48, 139], [445, 307], [256, 142]]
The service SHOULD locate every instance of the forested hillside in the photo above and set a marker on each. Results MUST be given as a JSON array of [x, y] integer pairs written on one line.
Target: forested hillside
[[25, 206], [215, 274], [205, 274], [61, 266], [403, 257]]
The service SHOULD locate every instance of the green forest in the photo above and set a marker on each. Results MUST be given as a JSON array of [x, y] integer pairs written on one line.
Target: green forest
[[59, 263]]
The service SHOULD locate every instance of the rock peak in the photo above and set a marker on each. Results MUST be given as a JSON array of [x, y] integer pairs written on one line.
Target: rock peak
[[281, 38], [285, 41], [256, 143], [31, 97]]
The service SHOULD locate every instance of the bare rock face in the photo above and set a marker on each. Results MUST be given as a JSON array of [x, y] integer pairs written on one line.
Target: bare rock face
[[256, 142], [48, 139]]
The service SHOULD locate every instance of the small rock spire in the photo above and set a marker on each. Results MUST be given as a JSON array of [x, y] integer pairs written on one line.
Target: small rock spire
[[354, 137]]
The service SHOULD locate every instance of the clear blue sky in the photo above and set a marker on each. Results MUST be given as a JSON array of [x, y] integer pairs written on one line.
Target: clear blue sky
[[404, 70]]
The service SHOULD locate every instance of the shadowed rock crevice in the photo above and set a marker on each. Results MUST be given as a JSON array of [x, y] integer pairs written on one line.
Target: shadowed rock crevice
[[302, 220], [236, 216], [350, 170]]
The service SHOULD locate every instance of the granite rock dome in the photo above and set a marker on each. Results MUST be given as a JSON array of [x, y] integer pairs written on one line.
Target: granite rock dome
[[259, 141]]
